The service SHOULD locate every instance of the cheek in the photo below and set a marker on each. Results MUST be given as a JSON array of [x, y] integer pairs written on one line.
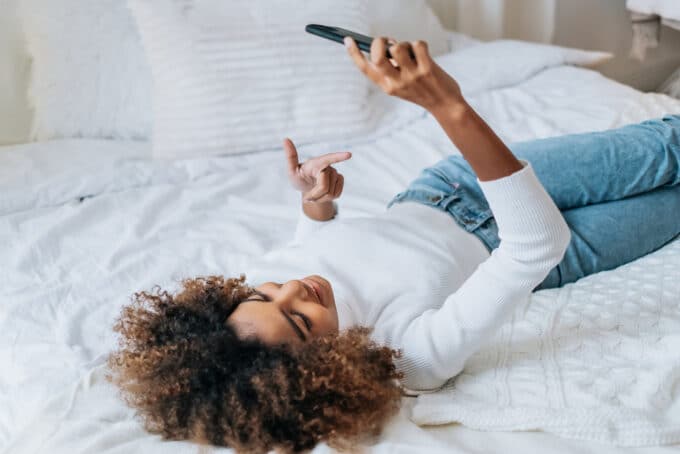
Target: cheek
[[326, 320]]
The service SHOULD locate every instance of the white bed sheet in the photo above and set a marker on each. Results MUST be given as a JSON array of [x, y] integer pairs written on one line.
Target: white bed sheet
[[84, 224]]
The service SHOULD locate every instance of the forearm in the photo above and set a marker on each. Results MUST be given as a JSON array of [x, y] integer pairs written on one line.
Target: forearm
[[488, 156], [412, 75]]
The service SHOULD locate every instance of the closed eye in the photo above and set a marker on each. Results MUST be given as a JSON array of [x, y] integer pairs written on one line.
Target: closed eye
[[305, 320], [264, 298]]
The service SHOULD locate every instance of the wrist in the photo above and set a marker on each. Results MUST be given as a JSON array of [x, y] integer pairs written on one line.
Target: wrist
[[453, 109], [319, 211]]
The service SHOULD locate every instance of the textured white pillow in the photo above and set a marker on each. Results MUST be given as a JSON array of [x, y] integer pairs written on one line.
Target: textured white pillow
[[408, 20], [238, 76], [89, 77], [504, 63]]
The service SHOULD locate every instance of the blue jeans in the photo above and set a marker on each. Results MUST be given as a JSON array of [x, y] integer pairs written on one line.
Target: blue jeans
[[618, 190]]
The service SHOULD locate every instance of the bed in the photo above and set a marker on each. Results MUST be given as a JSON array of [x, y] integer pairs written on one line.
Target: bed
[[84, 223]]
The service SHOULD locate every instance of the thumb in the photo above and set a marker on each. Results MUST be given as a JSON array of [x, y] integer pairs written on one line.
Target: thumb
[[291, 155]]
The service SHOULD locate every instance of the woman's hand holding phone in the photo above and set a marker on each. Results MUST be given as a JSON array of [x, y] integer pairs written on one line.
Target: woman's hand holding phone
[[421, 81], [411, 74]]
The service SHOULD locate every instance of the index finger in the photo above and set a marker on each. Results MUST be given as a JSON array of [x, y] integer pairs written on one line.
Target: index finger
[[357, 57], [422, 53], [319, 163]]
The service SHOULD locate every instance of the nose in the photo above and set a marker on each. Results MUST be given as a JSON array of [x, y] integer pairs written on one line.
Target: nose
[[291, 293]]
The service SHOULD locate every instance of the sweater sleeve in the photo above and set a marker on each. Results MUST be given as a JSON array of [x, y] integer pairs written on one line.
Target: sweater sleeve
[[533, 239], [306, 226]]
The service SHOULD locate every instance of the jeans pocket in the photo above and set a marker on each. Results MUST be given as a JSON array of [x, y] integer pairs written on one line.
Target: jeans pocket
[[467, 208]]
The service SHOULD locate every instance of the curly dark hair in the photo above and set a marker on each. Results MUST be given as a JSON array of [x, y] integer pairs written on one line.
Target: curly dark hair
[[190, 376]]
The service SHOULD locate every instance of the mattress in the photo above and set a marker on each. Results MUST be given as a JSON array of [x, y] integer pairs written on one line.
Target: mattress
[[84, 224]]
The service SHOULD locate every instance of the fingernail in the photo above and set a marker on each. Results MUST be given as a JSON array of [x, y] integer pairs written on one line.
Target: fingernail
[[347, 41]]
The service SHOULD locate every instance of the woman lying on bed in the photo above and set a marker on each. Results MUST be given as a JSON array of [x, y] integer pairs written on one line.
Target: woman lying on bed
[[292, 362]]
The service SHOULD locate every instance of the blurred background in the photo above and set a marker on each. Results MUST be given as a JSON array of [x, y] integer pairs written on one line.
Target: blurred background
[[585, 24]]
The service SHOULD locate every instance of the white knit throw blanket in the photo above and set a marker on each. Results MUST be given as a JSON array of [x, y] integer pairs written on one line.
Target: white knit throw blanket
[[595, 360]]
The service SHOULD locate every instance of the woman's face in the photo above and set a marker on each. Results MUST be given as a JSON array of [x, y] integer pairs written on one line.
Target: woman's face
[[287, 313]]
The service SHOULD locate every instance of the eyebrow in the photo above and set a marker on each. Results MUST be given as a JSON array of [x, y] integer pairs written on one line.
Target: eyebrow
[[292, 323], [264, 298]]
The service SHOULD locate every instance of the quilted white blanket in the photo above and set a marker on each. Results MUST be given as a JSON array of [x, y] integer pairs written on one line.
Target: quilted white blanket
[[595, 360]]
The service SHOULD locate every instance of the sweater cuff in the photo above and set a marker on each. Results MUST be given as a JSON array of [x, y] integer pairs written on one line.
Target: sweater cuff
[[504, 180], [307, 225], [519, 195]]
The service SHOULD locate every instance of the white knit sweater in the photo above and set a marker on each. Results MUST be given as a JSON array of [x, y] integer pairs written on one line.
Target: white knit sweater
[[424, 284]]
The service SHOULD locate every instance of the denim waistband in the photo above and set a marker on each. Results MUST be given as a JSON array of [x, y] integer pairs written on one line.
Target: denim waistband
[[451, 186]]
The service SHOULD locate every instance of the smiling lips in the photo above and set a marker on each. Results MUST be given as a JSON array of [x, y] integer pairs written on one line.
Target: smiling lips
[[316, 289]]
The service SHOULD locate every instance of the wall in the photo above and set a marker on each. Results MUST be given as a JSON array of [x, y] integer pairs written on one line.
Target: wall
[[606, 26], [14, 113], [588, 24], [495, 19]]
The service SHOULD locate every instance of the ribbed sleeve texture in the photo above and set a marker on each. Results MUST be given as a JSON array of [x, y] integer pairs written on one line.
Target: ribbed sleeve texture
[[233, 77], [534, 237]]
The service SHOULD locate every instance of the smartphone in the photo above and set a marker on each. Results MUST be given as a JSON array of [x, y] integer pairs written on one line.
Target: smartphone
[[338, 35]]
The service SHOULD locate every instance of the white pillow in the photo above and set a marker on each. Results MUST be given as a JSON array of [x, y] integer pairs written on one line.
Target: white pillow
[[239, 76], [408, 20], [504, 63], [88, 73]]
